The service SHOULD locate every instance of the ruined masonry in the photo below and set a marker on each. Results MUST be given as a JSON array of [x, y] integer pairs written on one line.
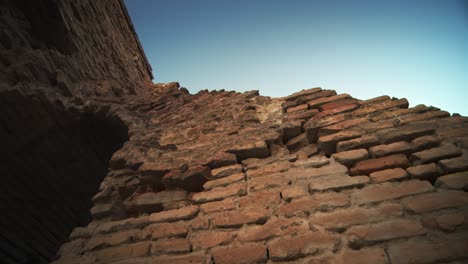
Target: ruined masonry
[[106, 168]]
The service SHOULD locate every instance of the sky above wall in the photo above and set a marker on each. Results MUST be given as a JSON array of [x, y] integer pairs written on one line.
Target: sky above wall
[[415, 49]]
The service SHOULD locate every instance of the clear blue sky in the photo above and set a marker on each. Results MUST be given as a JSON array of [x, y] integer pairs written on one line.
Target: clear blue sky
[[413, 48]]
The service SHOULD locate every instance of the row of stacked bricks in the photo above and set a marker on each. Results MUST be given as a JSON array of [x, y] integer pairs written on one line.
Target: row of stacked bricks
[[351, 182]]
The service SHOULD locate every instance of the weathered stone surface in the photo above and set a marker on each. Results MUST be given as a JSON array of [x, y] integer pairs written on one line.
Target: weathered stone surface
[[453, 181], [350, 157], [291, 128], [243, 254], [388, 175], [297, 142], [389, 162]]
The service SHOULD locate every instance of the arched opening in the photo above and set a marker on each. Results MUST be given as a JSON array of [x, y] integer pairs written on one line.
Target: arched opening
[[52, 162]]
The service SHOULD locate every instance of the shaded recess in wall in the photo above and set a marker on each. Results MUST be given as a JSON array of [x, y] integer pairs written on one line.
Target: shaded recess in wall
[[54, 161]]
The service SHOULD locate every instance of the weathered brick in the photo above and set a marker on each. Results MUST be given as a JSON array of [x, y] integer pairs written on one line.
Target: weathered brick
[[302, 116], [366, 167], [423, 116], [392, 114], [435, 201], [455, 164], [371, 108], [224, 181], [401, 147], [337, 104], [123, 252], [341, 125], [336, 182], [405, 133], [254, 163], [291, 128], [200, 223], [109, 240], [226, 171], [337, 110], [313, 162], [263, 199], [387, 191], [306, 92], [270, 182], [298, 108], [321, 101], [388, 175], [294, 247], [219, 193], [291, 192], [350, 157], [209, 239], [365, 141], [161, 230], [304, 174], [363, 235], [191, 179], [243, 254], [328, 143], [222, 159], [365, 255], [445, 151], [152, 173], [448, 222], [418, 251], [453, 181], [238, 218], [251, 150], [425, 142], [343, 218], [184, 213], [170, 246], [198, 257], [222, 205], [312, 127], [268, 169], [423, 172], [297, 142], [273, 228], [306, 204], [375, 100], [151, 202]]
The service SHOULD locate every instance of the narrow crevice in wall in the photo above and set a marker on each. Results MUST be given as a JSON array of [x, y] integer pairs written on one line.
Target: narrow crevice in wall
[[53, 161]]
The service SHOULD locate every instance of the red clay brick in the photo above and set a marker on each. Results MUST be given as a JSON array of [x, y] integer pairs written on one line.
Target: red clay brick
[[220, 193], [365, 141], [243, 254], [418, 251], [343, 218], [290, 248], [401, 147], [359, 236], [388, 175], [209, 239], [372, 255], [184, 213], [198, 257], [306, 204], [273, 228], [170, 246], [263, 199], [366, 167], [127, 251], [337, 104], [453, 181], [211, 207], [238, 218], [435, 201], [336, 182], [350, 157], [387, 191]]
